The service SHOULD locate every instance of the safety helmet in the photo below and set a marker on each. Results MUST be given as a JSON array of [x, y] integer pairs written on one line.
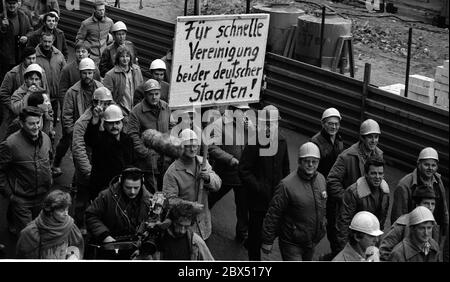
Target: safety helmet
[[369, 126], [102, 94], [56, 199], [241, 106], [157, 64], [309, 149], [366, 222], [151, 84], [33, 68], [331, 112], [119, 25], [420, 214], [270, 113], [113, 113], [86, 64], [428, 153], [188, 135]]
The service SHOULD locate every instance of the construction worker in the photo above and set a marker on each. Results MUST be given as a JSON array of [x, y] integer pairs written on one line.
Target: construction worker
[[232, 131], [107, 61], [25, 175], [157, 71], [347, 169], [123, 79], [52, 61], [182, 182], [362, 237], [330, 145], [260, 174], [423, 196], [369, 193], [50, 21], [150, 113], [425, 173], [32, 83], [81, 153], [112, 149], [76, 101], [94, 30], [38, 8], [53, 233], [299, 203], [12, 81], [419, 246], [70, 74], [13, 29]]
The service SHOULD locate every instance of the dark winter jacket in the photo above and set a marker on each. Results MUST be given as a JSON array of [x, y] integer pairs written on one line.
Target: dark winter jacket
[[34, 38], [328, 151], [297, 211], [25, 166], [261, 174], [112, 213], [108, 58], [10, 47], [407, 251]]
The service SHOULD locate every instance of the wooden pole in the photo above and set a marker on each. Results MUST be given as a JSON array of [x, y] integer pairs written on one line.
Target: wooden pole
[[365, 91], [200, 186], [322, 29], [408, 61]]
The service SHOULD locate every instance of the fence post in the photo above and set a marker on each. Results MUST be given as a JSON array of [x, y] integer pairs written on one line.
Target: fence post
[[408, 61], [322, 29], [247, 10], [366, 83]]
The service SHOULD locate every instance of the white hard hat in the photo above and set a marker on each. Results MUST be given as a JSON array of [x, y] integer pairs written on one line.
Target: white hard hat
[[86, 64], [151, 84], [420, 214], [113, 113], [157, 64], [309, 149], [366, 222], [33, 68], [242, 106], [270, 113], [188, 135], [369, 126], [119, 25], [102, 94], [331, 112], [428, 153]]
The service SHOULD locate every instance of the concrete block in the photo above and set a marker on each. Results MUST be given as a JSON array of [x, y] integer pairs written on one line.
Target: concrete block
[[421, 90], [441, 79], [420, 98], [441, 71], [441, 86], [394, 88], [420, 80]]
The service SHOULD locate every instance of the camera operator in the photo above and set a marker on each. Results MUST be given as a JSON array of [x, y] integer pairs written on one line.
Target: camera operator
[[179, 242], [118, 211]]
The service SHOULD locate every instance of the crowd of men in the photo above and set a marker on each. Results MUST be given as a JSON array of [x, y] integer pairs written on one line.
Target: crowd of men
[[129, 191]]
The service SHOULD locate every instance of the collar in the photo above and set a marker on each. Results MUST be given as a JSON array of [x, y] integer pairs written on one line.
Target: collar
[[327, 136], [39, 52], [27, 137], [350, 254], [180, 166], [411, 249], [363, 189], [147, 108], [416, 177], [94, 18]]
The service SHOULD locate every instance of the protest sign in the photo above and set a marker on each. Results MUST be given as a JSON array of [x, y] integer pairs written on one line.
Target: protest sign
[[218, 60]]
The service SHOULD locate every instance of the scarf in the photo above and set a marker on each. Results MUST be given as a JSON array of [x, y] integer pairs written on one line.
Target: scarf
[[53, 232], [46, 53]]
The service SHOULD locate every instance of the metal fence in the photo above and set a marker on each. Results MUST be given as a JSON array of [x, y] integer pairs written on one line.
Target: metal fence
[[302, 92], [151, 37]]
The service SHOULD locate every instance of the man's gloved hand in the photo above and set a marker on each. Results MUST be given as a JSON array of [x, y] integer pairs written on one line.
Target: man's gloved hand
[[372, 254], [5, 22]]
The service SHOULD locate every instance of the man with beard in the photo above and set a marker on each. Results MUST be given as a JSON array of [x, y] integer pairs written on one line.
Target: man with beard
[[179, 242], [119, 210], [112, 149], [119, 31], [13, 29], [52, 61], [50, 22], [349, 166], [419, 246], [424, 174], [12, 81], [366, 194], [77, 100], [94, 31], [70, 73], [260, 174], [25, 175]]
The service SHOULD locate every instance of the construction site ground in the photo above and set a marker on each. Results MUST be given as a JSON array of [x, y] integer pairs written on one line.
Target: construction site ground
[[379, 38]]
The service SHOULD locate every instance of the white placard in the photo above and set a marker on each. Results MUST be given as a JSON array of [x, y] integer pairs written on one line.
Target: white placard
[[218, 60]]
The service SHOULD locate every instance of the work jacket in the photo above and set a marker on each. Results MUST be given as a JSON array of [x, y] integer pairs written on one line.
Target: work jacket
[[10, 48], [71, 75], [407, 251], [108, 58], [328, 151], [34, 38], [53, 68]]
